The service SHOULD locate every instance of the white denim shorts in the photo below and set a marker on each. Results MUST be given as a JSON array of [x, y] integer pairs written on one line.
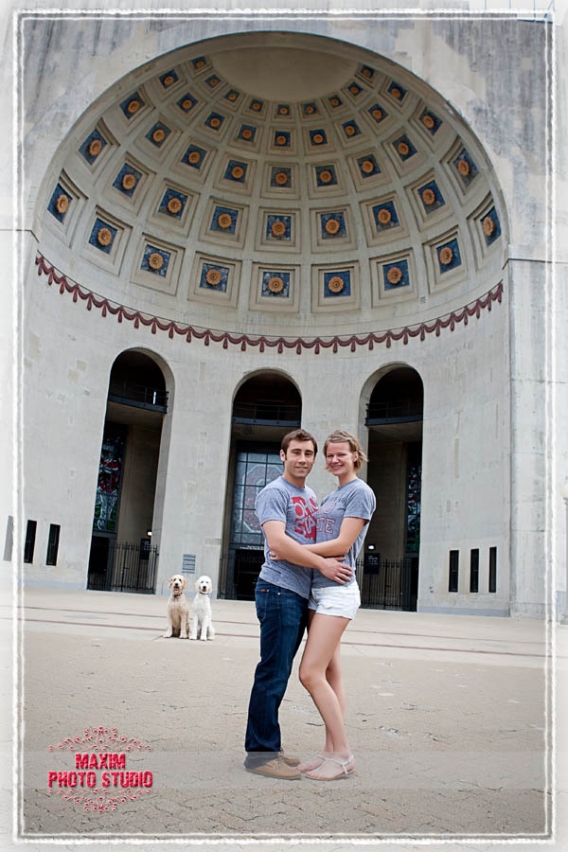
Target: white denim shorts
[[336, 600]]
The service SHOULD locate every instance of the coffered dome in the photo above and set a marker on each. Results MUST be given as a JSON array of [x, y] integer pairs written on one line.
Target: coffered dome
[[274, 182]]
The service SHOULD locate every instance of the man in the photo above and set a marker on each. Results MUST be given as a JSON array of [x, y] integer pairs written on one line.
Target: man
[[286, 509]]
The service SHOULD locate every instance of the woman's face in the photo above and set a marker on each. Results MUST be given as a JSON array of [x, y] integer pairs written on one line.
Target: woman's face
[[339, 459]]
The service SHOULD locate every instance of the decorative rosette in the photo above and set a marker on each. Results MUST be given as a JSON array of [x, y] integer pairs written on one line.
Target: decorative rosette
[[464, 167], [133, 106], [174, 205], [336, 284], [104, 236], [403, 148], [159, 135], [446, 256], [95, 147], [394, 275], [237, 172], [488, 226], [128, 181], [428, 121], [194, 157], [325, 176], [275, 284], [384, 216], [278, 229], [428, 197], [155, 261], [332, 226], [225, 221], [62, 203], [213, 277], [281, 178]]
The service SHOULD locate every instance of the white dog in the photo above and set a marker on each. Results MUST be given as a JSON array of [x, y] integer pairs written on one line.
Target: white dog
[[178, 609], [201, 610]]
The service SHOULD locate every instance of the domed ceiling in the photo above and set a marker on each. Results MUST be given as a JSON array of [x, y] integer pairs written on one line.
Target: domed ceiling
[[274, 181]]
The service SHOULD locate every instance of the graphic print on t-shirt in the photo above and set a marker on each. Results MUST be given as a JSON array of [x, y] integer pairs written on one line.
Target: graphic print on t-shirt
[[327, 521], [305, 511]]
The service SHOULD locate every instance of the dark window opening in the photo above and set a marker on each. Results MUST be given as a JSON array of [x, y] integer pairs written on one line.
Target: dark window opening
[[474, 571], [454, 570], [52, 544], [29, 544], [492, 569]]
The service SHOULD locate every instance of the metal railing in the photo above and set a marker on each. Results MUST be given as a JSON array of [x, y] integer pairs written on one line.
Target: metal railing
[[277, 413], [387, 583], [394, 412], [129, 568], [141, 396], [384, 583]]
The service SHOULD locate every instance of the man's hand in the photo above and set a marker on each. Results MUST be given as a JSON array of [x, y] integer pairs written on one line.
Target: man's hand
[[335, 569]]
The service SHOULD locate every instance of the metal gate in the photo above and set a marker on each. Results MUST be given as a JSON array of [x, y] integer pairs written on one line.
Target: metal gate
[[124, 567], [388, 583]]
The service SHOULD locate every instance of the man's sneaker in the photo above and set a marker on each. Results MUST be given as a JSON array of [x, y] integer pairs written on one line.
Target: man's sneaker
[[276, 768], [290, 759]]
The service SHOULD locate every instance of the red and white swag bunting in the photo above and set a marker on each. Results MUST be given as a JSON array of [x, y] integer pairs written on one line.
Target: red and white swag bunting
[[353, 342]]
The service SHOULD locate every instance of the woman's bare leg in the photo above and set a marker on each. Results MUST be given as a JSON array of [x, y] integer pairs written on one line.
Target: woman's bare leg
[[320, 673]]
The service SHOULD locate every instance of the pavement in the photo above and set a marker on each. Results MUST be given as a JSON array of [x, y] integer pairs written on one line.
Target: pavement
[[455, 721]]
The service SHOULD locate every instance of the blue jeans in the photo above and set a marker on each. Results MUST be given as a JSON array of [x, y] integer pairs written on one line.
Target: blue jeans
[[283, 616]]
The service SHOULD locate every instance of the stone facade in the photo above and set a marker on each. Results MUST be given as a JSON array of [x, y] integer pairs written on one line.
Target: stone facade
[[459, 289]]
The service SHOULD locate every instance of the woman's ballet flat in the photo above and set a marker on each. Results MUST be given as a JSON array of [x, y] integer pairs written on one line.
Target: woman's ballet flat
[[313, 763], [345, 772]]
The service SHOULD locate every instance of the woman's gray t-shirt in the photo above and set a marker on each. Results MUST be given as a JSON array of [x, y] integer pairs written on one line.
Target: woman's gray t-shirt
[[353, 500]]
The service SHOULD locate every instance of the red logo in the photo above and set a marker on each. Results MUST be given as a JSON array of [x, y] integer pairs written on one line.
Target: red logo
[[305, 517], [99, 777]]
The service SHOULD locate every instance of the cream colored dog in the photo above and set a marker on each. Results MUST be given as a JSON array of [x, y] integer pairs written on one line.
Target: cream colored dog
[[178, 609], [201, 610]]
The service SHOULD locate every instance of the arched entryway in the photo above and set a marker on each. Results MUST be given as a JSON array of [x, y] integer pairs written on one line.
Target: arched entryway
[[394, 423], [266, 406], [122, 555]]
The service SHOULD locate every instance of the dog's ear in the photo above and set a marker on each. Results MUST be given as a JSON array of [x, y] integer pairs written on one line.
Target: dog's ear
[[197, 585], [170, 582], [184, 582]]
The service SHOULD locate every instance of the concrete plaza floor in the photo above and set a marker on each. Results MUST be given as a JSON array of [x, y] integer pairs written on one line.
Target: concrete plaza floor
[[449, 718]]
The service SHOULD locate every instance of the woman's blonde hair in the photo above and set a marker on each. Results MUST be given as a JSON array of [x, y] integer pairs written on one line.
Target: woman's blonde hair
[[340, 436]]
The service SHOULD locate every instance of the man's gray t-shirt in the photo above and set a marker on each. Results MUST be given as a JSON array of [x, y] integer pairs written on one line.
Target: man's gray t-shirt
[[297, 508], [353, 500]]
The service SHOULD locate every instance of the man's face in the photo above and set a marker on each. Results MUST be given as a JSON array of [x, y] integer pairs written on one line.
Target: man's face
[[298, 459]]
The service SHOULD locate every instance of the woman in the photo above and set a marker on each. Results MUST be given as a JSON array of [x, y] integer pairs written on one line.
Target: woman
[[341, 526]]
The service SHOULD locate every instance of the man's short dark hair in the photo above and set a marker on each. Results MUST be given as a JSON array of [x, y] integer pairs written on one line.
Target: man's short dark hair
[[298, 435]]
